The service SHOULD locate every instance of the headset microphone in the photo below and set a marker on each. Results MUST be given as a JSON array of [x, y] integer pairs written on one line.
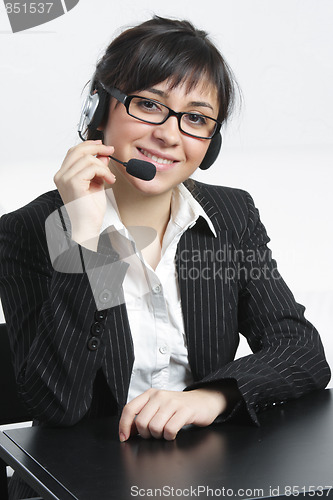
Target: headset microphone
[[138, 168]]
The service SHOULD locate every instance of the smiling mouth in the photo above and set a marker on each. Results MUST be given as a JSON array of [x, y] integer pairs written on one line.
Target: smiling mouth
[[157, 159]]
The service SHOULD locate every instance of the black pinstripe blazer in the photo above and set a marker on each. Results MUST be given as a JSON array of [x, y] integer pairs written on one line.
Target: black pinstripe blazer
[[229, 284]]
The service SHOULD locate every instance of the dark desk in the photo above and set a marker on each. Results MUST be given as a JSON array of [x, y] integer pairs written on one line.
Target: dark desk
[[292, 451]]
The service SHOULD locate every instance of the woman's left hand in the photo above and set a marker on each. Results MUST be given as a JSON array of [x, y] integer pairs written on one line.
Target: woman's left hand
[[159, 413]]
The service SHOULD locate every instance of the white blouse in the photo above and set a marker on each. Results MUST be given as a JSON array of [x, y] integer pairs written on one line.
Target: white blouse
[[153, 300]]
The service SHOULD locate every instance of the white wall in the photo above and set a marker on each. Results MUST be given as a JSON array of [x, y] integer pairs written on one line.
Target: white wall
[[280, 147]]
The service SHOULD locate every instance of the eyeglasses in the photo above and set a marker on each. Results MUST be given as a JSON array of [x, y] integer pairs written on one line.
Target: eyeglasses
[[151, 111]]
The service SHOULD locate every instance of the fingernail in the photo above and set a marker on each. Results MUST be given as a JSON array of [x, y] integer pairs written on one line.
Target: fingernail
[[122, 437], [98, 141]]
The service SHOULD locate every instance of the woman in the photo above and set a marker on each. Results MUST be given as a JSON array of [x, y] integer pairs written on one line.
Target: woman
[[132, 300]]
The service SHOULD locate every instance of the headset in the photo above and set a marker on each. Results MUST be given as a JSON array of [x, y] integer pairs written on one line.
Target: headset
[[93, 112]]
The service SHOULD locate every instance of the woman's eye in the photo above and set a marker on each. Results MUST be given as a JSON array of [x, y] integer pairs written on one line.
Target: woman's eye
[[148, 105], [195, 119]]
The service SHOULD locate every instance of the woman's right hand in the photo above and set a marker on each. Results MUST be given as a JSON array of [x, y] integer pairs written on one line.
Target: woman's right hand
[[81, 184]]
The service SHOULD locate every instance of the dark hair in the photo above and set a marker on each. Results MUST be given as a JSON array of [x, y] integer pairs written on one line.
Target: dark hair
[[161, 49]]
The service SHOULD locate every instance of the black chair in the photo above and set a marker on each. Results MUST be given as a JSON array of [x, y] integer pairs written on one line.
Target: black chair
[[12, 409]]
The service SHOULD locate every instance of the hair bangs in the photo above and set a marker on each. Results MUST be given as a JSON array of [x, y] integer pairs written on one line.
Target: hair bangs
[[186, 63]]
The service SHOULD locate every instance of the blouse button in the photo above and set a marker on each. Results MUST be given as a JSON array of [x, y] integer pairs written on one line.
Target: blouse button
[[105, 296], [157, 288], [163, 349]]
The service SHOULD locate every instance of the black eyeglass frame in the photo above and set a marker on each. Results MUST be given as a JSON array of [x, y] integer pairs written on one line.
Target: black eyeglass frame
[[126, 100]]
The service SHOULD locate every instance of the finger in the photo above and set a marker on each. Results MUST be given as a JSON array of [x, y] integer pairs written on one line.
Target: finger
[[71, 163], [158, 422], [129, 414], [144, 418], [103, 159], [97, 174], [64, 175], [92, 147], [82, 164], [84, 149], [86, 172], [91, 183], [175, 423]]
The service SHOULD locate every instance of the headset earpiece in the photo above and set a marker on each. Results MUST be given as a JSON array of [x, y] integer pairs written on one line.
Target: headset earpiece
[[96, 118], [94, 107], [212, 152]]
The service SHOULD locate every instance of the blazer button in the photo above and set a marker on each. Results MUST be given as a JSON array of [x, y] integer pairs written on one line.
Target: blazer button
[[97, 329], [93, 344], [100, 315]]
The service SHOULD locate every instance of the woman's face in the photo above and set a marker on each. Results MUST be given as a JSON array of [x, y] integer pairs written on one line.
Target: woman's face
[[175, 155]]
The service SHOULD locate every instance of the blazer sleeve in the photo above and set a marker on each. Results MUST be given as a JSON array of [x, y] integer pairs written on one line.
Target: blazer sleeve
[[288, 358], [51, 312]]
